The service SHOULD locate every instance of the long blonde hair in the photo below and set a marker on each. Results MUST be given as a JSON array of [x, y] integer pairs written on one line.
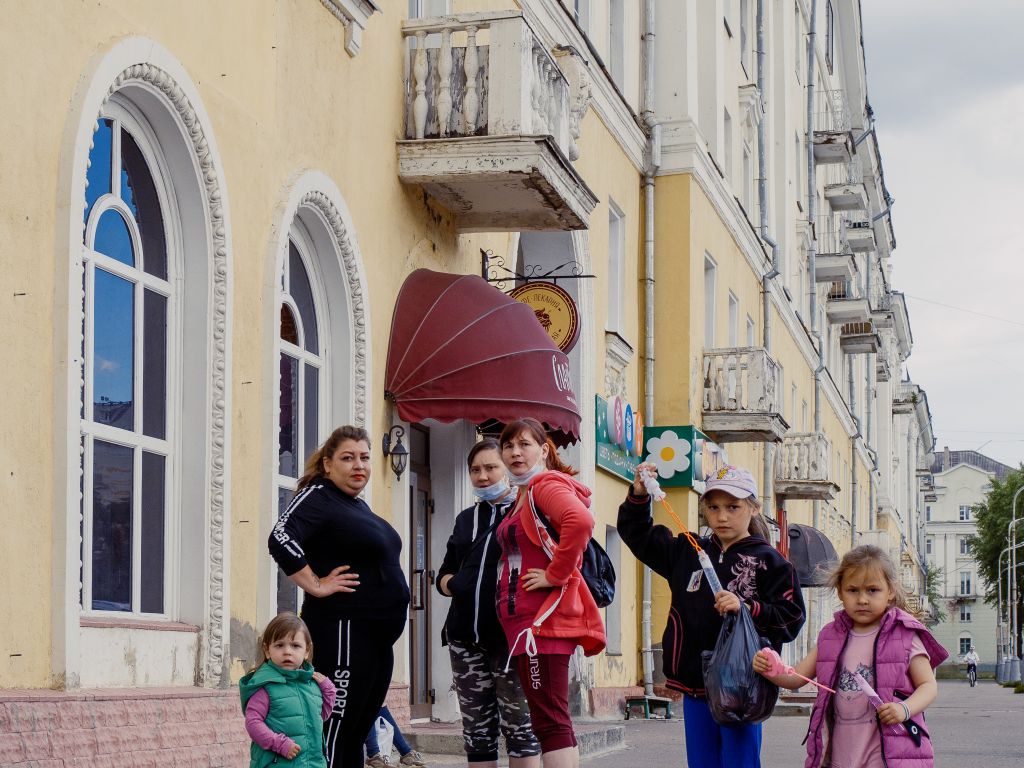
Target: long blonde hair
[[283, 625], [867, 557]]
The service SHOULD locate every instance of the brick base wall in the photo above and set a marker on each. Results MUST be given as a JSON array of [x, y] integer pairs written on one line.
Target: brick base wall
[[137, 728], [142, 728], [610, 703]]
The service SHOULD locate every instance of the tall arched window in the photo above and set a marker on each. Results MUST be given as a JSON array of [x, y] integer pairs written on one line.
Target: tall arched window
[[127, 448], [301, 371]]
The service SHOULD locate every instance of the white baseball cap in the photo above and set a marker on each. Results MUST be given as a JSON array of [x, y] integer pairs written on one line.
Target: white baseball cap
[[735, 481]]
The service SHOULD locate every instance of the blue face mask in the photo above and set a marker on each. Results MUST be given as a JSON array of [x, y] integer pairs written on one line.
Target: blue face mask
[[531, 473], [492, 492]]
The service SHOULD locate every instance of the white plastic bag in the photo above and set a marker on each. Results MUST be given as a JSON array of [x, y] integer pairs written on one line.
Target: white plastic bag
[[385, 736]]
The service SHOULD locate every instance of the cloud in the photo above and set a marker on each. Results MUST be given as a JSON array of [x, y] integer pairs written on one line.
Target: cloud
[[106, 366]]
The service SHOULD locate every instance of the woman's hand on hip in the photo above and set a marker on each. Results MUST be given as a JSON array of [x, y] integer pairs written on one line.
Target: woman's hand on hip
[[535, 578], [338, 580]]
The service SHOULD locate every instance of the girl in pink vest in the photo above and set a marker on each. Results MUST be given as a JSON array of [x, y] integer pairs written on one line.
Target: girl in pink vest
[[873, 636]]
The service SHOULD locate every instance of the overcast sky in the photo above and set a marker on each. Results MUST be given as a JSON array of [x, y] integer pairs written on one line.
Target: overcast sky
[[946, 82]]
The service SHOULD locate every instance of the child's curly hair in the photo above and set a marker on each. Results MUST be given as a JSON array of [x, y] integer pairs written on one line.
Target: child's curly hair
[[870, 557], [283, 625]]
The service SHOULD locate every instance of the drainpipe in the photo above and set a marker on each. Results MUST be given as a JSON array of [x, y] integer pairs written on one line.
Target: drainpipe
[[812, 212], [654, 160], [869, 408], [762, 199], [851, 380]]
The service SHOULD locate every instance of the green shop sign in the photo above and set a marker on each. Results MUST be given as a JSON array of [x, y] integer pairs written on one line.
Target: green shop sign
[[685, 456]]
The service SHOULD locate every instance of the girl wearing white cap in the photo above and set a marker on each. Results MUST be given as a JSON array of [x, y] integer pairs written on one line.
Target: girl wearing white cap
[[752, 572]]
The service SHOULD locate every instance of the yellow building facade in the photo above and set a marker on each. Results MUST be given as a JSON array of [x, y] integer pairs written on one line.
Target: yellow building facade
[[208, 213]]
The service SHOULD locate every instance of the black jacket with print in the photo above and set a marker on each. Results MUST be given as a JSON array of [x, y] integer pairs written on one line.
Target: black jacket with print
[[472, 559], [751, 568]]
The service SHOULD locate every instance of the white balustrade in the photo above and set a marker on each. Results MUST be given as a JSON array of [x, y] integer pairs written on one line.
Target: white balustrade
[[454, 61], [740, 380], [804, 456]]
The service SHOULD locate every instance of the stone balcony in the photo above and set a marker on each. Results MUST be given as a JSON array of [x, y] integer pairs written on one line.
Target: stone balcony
[[492, 121], [742, 402], [834, 267], [845, 307], [860, 236], [859, 338], [833, 140], [849, 196], [803, 466]]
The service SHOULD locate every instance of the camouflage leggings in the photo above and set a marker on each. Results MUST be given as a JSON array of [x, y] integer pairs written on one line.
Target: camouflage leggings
[[489, 698]]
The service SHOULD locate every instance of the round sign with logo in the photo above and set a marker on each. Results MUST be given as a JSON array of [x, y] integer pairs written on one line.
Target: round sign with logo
[[555, 310]]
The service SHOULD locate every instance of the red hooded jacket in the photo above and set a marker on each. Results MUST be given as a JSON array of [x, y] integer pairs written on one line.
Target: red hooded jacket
[[568, 611]]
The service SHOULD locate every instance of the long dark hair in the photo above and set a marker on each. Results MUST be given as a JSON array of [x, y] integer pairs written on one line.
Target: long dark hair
[[315, 462], [535, 429], [283, 625]]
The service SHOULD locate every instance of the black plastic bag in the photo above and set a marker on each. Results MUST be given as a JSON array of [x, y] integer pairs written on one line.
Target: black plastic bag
[[736, 693]]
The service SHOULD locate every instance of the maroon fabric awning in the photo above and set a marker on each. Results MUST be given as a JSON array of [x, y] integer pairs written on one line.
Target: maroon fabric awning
[[462, 349]]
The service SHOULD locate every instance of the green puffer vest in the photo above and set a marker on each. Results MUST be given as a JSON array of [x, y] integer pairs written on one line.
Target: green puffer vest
[[295, 707]]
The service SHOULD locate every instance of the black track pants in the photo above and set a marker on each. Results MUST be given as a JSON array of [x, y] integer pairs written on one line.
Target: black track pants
[[357, 654]]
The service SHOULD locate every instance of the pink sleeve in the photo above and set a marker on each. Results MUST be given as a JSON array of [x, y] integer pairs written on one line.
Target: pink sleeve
[[572, 520], [329, 691], [917, 648], [255, 716]]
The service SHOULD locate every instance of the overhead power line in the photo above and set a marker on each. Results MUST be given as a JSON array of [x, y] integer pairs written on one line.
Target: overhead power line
[[964, 309]]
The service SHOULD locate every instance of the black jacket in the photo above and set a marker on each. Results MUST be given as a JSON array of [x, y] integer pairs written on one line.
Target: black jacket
[[324, 527], [751, 568], [473, 557]]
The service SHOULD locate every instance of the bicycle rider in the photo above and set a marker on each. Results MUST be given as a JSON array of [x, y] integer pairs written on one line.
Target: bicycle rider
[[972, 659]]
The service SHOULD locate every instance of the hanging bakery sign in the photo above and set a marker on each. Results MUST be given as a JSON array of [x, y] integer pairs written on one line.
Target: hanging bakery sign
[[555, 309]]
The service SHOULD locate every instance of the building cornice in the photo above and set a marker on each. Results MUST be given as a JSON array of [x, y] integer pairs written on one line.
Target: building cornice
[[552, 21]]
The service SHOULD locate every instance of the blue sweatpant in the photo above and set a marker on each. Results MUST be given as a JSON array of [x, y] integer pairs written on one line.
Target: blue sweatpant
[[372, 748], [710, 745]]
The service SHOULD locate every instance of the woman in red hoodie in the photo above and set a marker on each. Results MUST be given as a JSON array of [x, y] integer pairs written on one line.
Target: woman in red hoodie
[[543, 603]]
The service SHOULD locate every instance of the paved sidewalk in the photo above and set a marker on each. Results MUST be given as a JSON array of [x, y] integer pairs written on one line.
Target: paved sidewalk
[[980, 727]]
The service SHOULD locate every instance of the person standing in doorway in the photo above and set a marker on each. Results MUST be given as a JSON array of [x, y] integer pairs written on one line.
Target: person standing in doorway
[[543, 604], [491, 699], [346, 560]]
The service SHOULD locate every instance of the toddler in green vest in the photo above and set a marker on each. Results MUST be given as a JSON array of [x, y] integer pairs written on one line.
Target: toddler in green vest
[[284, 700]]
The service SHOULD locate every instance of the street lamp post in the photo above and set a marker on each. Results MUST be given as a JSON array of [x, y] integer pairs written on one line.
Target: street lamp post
[[1014, 670], [1001, 656]]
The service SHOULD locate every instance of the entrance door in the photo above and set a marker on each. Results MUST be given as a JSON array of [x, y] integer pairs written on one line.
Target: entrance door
[[421, 582]]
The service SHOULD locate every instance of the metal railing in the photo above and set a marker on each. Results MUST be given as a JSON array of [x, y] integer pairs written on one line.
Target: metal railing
[[831, 111]]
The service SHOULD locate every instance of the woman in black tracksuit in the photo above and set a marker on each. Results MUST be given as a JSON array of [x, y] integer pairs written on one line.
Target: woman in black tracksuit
[[489, 697], [346, 560]]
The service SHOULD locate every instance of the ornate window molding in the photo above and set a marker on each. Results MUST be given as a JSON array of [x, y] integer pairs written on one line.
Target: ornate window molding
[[353, 15]]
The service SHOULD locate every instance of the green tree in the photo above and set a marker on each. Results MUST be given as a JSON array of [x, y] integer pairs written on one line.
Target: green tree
[[932, 580], [993, 516]]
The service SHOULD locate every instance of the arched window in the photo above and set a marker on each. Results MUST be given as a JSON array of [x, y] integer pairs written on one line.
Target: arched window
[[127, 448], [301, 383]]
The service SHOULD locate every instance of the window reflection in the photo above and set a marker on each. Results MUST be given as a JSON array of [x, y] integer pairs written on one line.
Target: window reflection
[[289, 405], [113, 239], [112, 527], [113, 362], [97, 177], [139, 193]]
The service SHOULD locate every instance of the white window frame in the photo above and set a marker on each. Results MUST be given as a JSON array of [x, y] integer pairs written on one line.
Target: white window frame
[[965, 612], [965, 644], [617, 41], [965, 583], [616, 281], [929, 543], [710, 286], [307, 254], [734, 320], [135, 439], [745, 37], [751, 332], [965, 513], [964, 546], [613, 612]]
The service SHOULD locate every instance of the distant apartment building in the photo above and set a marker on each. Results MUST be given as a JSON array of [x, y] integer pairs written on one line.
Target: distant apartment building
[[960, 481]]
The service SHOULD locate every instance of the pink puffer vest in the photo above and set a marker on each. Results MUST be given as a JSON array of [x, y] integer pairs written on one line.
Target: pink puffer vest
[[891, 671]]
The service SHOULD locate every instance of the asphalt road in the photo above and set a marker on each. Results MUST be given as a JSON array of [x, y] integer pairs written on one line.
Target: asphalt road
[[981, 727]]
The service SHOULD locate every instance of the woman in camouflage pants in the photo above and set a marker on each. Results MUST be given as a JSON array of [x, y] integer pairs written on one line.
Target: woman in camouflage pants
[[491, 699]]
